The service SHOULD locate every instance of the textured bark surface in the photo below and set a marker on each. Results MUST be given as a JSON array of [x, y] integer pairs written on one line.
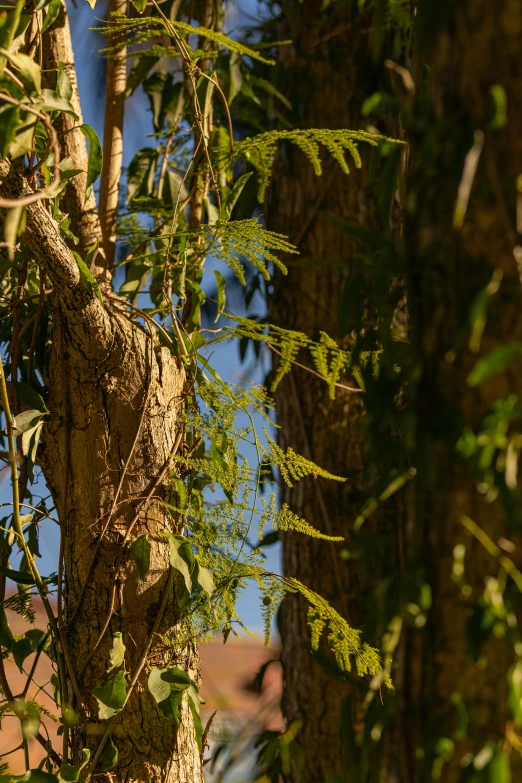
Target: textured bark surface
[[325, 56], [99, 405], [470, 47]]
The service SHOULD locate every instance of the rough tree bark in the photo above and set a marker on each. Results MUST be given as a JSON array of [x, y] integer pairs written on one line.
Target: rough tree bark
[[469, 47], [115, 397], [330, 66], [85, 223]]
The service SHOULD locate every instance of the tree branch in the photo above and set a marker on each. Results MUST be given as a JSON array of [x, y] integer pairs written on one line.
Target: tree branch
[[85, 222], [42, 237], [113, 137]]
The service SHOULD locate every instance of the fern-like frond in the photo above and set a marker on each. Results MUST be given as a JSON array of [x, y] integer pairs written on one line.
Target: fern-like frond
[[344, 641], [292, 466], [21, 603], [288, 520], [260, 150], [144, 25], [249, 240], [221, 40], [330, 360]]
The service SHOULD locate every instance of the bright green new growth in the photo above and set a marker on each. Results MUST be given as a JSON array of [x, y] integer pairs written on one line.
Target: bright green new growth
[[287, 520], [331, 362], [292, 466], [260, 150]]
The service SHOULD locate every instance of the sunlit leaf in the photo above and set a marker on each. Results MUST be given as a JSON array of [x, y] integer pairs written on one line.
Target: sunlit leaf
[[117, 653], [95, 157], [111, 695]]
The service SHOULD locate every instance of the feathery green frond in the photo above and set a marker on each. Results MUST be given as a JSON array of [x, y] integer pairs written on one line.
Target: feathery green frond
[[288, 520], [260, 150], [292, 466]]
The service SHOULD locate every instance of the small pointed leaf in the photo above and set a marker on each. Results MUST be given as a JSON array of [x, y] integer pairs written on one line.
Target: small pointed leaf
[[140, 553], [117, 654]]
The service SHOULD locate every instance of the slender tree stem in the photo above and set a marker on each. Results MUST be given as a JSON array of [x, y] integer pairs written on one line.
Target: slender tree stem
[[113, 137]]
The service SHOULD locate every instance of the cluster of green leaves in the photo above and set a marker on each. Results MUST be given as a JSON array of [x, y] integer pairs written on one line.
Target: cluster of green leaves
[[332, 362]]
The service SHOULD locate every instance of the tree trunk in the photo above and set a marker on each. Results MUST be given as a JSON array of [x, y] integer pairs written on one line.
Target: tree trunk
[[469, 48], [115, 398], [331, 68], [114, 421]]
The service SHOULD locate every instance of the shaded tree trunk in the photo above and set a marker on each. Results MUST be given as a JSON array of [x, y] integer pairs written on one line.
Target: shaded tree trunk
[[331, 70], [469, 47]]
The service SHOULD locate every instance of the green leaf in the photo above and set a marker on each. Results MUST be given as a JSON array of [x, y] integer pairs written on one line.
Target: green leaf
[[53, 101], [236, 76], [140, 179], [157, 87], [32, 538], [27, 420], [181, 490], [203, 577], [69, 774], [231, 200], [20, 577], [117, 654], [6, 636], [21, 649], [167, 686], [30, 397], [67, 169], [181, 558], [14, 225], [28, 70], [95, 158], [9, 122], [30, 442], [221, 293], [53, 10], [87, 275], [108, 758], [194, 702], [139, 71], [139, 5], [205, 91], [23, 142], [63, 83], [494, 363], [111, 696], [140, 553], [31, 776], [8, 30]]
